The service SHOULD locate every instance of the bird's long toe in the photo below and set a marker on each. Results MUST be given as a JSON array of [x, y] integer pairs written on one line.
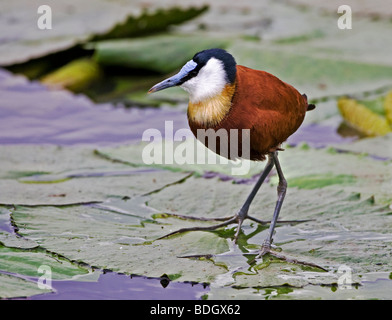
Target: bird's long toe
[[265, 248]]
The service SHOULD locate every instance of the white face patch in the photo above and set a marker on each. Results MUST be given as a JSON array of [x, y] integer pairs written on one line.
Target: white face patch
[[209, 82]]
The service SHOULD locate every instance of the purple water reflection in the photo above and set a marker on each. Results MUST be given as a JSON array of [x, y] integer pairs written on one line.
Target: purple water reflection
[[32, 114], [318, 136]]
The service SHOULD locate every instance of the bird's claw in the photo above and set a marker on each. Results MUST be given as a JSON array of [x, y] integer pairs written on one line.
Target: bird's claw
[[265, 248]]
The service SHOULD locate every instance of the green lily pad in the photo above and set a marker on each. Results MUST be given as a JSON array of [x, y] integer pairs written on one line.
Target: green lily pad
[[375, 286], [356, 172], [26, 262], [310, 74], [115, 246], [76, 75], [189, 155], [27, 272], [73, 25], [120, 233], [302, 166], [148, 23], [319, 181], [377, 147], [362, 119], [162, 54], [38, 175], [121, 236], [13, 287]]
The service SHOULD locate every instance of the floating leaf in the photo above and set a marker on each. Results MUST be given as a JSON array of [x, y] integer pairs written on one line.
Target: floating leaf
[[26, 262], [362, 119], [356, 172], [321, 180], [322, 168], [388, 107], [75, 76], [14, 286], [317, 75], [162, 54], [120, 235], [189, 155], [374, 285], [301, 38], [74, 25], [375, 146], [148, 22], [69, 175]]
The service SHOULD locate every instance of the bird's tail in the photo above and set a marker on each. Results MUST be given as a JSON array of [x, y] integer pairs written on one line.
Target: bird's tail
[[310, 106]]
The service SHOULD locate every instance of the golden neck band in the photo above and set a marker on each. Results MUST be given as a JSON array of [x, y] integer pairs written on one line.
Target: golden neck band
[[211, 111]]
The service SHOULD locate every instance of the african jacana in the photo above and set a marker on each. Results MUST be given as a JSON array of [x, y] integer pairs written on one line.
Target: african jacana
[[225, 95]]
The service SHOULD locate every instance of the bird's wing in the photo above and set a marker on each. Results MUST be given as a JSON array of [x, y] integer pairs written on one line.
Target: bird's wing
[[271, 108]]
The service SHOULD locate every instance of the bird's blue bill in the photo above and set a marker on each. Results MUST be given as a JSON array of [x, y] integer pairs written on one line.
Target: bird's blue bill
[[176, 79]]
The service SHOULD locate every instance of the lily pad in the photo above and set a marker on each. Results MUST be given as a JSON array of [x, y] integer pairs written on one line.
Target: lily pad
[[161, 54], [12, 286], [332, 168], [363, 119], [367, 9], [73, 25], [120, 233], [388, 107], [357, 172], [121, 250], [374, 286], [316, 76], [319, 181], [69, 175], [90, 227], [151, 22], [189, 155], [26, 262], [378, 147], [108, 236], [76, 76]]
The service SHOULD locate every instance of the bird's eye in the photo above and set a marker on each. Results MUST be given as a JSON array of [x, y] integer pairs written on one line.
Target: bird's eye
[[193, 73]]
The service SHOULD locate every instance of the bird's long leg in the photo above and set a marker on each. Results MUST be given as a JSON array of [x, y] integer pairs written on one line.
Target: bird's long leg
[[266, 247], [282, 187], [243, 213]]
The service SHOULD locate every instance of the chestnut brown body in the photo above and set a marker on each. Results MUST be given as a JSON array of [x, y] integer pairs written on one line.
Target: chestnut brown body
[[269, 108]]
